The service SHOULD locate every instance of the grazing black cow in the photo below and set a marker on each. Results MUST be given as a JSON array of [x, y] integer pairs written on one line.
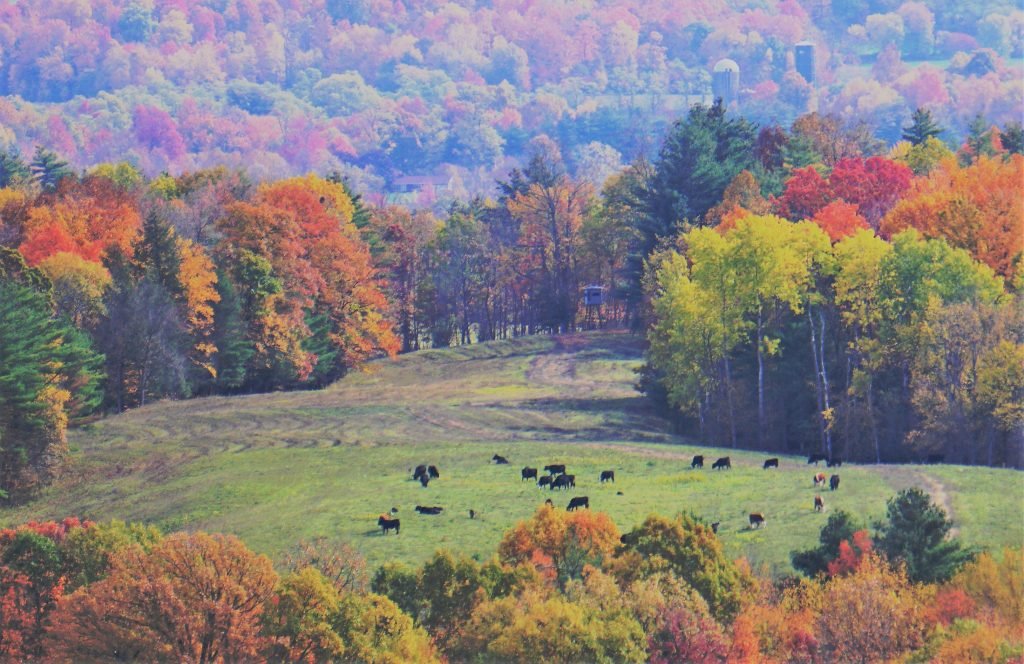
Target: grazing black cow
[[834, 462], [819, 479], [770, 463], [472, 514], [529, 473], [607, 476], [498, 459], [936, 458], [714, 526], [387, 524], [578, 502], [698, 461], [429, 510], [756, 519], [619, 493], [545, 481], [555, 469], [424, 480], [420, 471], [722, 463], [815, 458], [833, 482], [432, 471], [819, 504], [563, 482]]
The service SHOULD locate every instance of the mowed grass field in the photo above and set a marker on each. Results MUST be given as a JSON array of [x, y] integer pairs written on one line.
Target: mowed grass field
[[277, 468]]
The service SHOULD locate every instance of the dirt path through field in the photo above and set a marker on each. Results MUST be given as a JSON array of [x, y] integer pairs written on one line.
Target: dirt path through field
[[558, 367], [903, 477]]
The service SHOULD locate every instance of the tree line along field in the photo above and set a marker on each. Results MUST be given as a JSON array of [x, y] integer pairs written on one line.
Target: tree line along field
[[277, 468]]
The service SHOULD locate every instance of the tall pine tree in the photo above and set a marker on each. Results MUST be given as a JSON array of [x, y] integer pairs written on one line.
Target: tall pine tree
[[699, 158], [922, 127], [233, 348], [48, 373], [48, 169], [13, 169]]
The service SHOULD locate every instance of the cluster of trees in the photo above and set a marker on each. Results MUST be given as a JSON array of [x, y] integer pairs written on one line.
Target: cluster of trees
[[900, 274], [119, 291], [379, 88], [563, 586]]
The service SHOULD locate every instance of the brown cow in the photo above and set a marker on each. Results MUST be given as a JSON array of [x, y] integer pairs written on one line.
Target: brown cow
[[756, 519], [819, 504], [819, 480]]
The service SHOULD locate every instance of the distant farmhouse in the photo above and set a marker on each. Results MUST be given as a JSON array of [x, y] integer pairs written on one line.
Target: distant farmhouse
[[412, 189], [415, 184]]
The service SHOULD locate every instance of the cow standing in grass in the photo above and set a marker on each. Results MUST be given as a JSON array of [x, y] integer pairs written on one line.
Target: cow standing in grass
[[578, 502], [564, 482], [387, 524]]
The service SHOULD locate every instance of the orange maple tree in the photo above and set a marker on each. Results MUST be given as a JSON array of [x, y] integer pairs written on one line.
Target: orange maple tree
[[193, 598], [976, 207], [86, 218]]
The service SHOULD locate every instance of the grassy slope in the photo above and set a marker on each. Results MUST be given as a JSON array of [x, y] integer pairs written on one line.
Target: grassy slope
[[279, 467]]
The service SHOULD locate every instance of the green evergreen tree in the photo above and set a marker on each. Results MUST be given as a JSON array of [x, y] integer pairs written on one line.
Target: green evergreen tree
[[916, 533], [922, 127], [799, 152], [319, 342], [37, 352], [158, 254], [13, 169], [233, 348], [699, 158], [48, 169], [1013, 137], [979, 140]]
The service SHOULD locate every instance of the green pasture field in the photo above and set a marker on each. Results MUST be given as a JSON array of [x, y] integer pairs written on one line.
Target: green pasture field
[[277, 468]]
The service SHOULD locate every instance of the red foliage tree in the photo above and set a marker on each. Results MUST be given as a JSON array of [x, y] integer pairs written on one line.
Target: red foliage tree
[[687, 635], [851, 554], [806, 192], [874, 185], [839, 219]]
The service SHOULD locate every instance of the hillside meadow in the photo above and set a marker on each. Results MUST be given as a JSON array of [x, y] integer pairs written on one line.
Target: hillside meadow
[[277, 468]]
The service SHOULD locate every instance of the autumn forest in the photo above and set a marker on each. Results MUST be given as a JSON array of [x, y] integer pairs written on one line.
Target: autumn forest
[[823, 257]]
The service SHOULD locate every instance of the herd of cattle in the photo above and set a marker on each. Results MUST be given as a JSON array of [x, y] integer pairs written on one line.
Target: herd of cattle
[[556, 478]]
